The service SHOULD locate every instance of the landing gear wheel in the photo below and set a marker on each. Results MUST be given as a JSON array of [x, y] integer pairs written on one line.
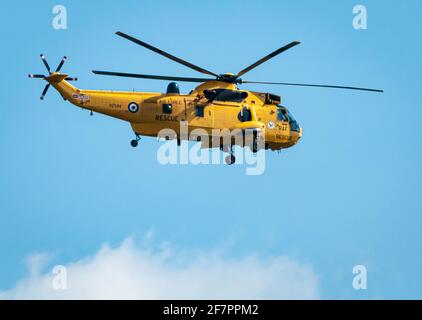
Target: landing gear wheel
[[230, 159], [134, 142]]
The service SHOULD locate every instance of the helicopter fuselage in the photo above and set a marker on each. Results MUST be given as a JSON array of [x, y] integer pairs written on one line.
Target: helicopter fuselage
[[229, 108]]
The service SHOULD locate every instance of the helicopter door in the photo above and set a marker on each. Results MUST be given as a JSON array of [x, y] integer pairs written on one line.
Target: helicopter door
[[271, 123], [283, 127], [199, 115]]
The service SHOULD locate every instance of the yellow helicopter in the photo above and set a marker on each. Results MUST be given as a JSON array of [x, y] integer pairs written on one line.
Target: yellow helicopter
[[217, 104]]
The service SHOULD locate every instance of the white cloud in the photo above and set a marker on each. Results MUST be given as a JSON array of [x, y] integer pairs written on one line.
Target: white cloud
[[131, 272]]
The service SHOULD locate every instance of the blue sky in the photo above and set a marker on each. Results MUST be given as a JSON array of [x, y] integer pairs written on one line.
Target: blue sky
[[347, 194]]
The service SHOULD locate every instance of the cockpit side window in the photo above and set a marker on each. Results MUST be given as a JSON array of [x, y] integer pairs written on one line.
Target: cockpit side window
[[282, 115]]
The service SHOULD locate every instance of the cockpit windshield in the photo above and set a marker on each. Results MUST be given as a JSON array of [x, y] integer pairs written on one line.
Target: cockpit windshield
[[284, 115]]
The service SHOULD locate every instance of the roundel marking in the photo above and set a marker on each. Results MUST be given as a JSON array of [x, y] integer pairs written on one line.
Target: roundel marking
[[270, 125], [133, 107]]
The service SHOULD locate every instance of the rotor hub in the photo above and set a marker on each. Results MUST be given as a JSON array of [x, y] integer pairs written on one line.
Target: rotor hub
[[228, 77]]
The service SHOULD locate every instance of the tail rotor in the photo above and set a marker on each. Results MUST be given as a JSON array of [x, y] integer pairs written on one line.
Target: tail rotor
[[47, 66], [61, 63]]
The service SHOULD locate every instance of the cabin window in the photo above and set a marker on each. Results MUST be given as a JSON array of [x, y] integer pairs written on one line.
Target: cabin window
[[167, 108], [245, 115], [199, 111]]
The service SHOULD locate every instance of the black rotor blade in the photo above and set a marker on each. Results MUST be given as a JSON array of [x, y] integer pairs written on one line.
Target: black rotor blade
[[268, 57], [36, 76], [61, 64], [71, 79], [45, 63], [45, 91], [149, 76], [165, 54], [313, 85]]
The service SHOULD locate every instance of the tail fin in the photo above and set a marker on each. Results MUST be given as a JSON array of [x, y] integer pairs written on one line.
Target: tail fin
[[53, 78]]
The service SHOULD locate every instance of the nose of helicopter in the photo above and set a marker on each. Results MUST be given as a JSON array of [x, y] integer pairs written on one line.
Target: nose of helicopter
[[296, 135]]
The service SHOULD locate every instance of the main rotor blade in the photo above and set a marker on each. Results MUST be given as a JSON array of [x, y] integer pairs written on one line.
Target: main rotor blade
[[149, 76], [36, 76], [61, 64], [313, 85], [165, 54], [268, 57], [44, 91], [45, 62]]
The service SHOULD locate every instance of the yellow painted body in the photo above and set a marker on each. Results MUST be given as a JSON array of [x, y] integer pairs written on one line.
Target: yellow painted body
[[149, 119]]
